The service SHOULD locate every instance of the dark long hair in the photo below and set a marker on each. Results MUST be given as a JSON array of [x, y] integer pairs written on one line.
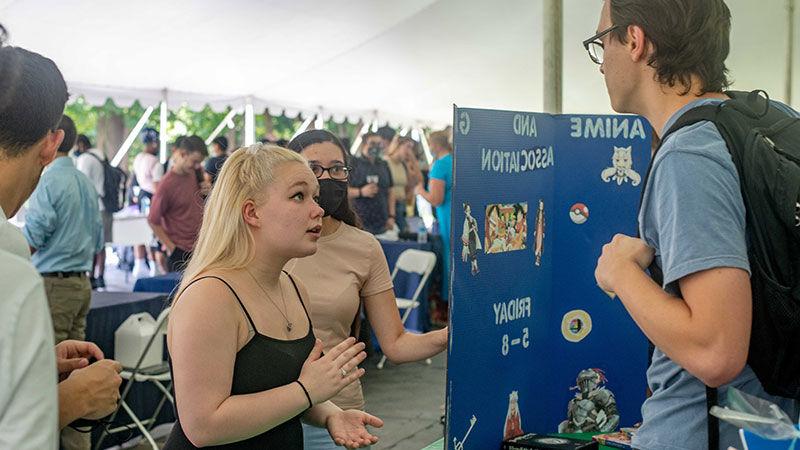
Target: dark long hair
[[345, 212]]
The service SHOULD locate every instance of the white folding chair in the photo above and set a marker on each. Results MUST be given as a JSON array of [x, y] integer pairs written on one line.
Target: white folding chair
[[422, 263], [158, 375]]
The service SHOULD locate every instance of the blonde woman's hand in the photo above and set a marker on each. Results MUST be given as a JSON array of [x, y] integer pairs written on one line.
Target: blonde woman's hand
[[324, 376], [349, 428]]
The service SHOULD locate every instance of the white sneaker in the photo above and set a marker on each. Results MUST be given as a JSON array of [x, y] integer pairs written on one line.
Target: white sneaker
[[140, 270], [155, 270]]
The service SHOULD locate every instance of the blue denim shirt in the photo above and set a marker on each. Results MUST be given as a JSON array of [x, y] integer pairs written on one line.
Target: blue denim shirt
[[63, 220]]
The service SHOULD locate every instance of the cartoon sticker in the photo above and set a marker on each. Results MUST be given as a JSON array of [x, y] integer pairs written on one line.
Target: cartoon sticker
[[539, 244], [513, 427], [459, 445], [506, 227], [576, 325], [471, 240], [621, 169], [594, 408], [579, 213]]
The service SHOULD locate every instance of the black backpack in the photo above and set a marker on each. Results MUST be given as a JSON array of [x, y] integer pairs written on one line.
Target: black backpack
[[764, 143], [114, 185]]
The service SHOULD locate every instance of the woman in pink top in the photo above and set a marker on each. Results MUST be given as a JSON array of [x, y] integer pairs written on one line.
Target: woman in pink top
[[348, 268]]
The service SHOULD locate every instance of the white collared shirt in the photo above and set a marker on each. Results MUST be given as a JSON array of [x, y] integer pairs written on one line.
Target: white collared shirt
[[28, 376]]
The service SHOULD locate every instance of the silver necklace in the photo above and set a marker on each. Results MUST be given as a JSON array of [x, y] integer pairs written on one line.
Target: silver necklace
[[289, 324]]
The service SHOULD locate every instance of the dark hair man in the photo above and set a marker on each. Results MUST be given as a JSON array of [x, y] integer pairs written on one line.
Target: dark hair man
[[661, 58], [32, 407], [177, 209]]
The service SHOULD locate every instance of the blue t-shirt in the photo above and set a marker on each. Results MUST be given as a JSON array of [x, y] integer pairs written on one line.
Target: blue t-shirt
[[693, 216], [442, 169]]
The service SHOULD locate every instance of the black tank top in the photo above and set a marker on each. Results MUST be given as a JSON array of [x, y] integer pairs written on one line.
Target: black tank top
[[263, 363]]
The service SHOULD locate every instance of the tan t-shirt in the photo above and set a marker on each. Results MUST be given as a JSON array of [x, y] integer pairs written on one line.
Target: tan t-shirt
[[348, 266], [399, 179]]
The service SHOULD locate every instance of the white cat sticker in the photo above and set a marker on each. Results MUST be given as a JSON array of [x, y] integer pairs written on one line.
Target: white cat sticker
[[622, 168]]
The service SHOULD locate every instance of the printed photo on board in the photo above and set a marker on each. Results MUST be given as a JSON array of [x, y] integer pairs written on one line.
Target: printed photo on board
[[506, 227]]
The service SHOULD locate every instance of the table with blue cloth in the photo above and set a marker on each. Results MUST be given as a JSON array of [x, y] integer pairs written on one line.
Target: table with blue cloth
[[107, 312], [405, 284], [162, 283]]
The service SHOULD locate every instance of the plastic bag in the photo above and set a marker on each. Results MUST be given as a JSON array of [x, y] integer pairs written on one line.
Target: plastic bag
[[756, 415]]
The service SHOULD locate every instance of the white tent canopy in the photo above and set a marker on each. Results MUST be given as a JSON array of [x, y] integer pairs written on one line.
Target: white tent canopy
[[403, 62]]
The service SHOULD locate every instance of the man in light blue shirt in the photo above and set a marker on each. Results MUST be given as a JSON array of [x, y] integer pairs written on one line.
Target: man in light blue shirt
[[64, 229], [661, 58]]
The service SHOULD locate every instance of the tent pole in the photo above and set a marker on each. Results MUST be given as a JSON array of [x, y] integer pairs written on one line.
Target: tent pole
[[552, 19], [162, 128], [221, 125], [249, 123], [789, 50], [123, 149]]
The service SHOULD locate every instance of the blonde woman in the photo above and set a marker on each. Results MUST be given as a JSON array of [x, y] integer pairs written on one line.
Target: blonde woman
[[245, 362], [350, 268], [405, 175]]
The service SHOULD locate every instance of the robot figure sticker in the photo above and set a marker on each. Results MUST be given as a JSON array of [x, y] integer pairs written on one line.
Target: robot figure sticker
[[594, 408]]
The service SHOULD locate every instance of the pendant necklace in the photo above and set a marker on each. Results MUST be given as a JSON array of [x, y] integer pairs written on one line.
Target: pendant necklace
[[289, 324]]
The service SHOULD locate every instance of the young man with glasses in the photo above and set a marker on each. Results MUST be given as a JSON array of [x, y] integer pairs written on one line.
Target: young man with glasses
[[661, 58]]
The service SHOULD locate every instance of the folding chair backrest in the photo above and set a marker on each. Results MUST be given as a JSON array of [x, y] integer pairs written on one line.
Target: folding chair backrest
[[420, 262], [416, 261]]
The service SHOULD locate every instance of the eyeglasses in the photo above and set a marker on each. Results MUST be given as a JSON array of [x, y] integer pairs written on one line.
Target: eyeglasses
[[594, 45], [336, 171]]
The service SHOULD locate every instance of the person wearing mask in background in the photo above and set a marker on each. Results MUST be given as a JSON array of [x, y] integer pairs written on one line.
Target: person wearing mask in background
[[219, 153], [438, 193], [32, 406], [90, 162], [177, 208], [147, 171], [349, 269], [370, 186]]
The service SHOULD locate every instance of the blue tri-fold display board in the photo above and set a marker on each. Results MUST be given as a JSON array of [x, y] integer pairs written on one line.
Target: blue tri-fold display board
[[535, 198]]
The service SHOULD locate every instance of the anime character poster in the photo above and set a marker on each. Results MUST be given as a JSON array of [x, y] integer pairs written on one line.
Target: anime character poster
[[526, 314]]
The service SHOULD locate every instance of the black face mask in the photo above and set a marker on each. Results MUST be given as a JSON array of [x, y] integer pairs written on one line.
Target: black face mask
[[375, 150], [331, 195]]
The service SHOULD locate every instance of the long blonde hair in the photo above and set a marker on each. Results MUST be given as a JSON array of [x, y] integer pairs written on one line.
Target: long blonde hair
[[225, 241]]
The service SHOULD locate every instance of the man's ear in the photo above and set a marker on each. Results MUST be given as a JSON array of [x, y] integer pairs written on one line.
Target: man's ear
[[50, 144], [637, 43]]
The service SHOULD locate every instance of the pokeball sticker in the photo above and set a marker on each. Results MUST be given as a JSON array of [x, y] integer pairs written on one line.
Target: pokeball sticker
[[576, 325], [579, 213]]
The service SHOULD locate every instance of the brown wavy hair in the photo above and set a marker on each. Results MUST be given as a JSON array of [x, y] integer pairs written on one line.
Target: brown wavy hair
[[689, 37]]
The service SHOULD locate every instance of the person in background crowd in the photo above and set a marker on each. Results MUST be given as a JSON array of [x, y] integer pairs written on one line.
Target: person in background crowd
[[32, 406], [219, 153], [660, 59], [90, 162], [349, 269], [236, 303], [82, 145], [370, 186], [177, 208], [64, 231], [405, 172], [438, 193], [148, 172]]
